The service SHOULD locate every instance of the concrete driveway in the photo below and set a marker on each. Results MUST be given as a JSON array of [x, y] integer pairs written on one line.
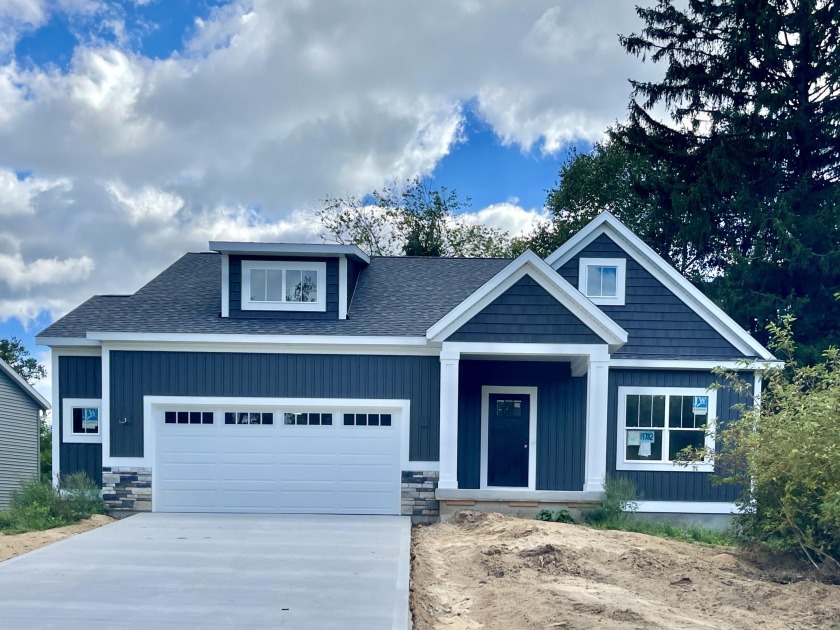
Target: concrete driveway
[[215, 571]]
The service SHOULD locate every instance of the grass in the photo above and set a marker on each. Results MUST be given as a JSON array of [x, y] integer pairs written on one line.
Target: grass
[[674, 531], [38, 505]]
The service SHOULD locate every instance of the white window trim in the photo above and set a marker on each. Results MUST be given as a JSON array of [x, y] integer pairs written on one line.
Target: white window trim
[[620, 265], [663, 466], [283, 265], [486, 390], [67, 420]]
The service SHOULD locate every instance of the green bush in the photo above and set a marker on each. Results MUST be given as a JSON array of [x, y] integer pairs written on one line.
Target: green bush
[[621, 499], [558, 516], [38, 505]]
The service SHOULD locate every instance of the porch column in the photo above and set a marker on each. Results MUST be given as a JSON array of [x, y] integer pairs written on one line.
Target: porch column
[[449, 361], [597, 392]]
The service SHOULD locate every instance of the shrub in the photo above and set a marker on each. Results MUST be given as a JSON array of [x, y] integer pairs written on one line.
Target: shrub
[[558, 516], [38, 505], [621, 499]]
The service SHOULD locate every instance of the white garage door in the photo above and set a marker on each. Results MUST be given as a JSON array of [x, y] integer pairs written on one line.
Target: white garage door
[[272, 459]]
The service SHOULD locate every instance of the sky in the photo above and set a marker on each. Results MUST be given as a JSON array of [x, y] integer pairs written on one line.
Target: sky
[[132, 132]]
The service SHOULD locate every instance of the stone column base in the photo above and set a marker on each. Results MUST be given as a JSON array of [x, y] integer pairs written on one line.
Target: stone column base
[[127, 489], [418, 496]]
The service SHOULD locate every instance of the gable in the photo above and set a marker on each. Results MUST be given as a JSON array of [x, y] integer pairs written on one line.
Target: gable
[[658, 323], [526, 313]]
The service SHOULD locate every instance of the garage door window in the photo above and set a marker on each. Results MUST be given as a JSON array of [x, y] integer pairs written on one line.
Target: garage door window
[[308, 419], [367, 419], [188, 417], [248, 417]]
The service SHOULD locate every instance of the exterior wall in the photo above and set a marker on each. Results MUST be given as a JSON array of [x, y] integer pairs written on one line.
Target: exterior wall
[[235, 275], [127, 489], [418, 496], [137, 374], [78, 377], [682, 484], [19, 444], [561, 419], [657, 322], [526, 313]]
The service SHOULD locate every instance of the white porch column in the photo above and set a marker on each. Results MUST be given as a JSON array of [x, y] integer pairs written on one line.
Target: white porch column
[[449, 361], [597, 392]]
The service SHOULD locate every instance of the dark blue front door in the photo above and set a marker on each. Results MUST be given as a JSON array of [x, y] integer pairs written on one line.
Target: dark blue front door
[[507, 440]]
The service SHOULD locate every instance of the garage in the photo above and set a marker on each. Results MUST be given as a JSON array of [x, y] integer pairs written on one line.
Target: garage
[[323, 458]]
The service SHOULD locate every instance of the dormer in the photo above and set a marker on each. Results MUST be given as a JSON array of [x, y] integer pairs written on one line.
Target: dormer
[[288, 280]]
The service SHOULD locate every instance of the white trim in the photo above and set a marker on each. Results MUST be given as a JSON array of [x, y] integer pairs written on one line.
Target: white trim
[[342, 287], [261, 340], [276, 348], [531, 265], [55, 342], [694, 364], [606, 223], [486, 390], [524, 349], [68, 404], [56, 422], [26, 387], [448, 452], [225, 286], [290, 249], [620, 265], [518, 494], [597, 390], [686, 507], [663, 466], [105, 411], [319, 305]]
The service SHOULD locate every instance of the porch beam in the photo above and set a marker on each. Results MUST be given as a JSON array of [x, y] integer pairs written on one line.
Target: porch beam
[[449, 363], [597, 390]]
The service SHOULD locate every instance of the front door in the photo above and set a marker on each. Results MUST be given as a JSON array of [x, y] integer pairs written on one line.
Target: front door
[[508, 422]]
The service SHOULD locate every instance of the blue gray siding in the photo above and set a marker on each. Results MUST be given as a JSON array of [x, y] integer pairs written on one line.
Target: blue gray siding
[[235, 275], [682, 484], [19, 417], [561, 419], [657, 322], [138, 374], [526, 313], [79, 377]]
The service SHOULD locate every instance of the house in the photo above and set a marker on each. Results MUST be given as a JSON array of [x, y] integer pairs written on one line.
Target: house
[[20, 416], [272, 377]]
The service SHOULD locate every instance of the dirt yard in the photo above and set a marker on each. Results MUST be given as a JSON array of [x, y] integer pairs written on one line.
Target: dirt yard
[[491, 571], [11, 546]]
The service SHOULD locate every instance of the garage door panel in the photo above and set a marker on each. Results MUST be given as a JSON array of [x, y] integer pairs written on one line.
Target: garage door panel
[[277, 468]]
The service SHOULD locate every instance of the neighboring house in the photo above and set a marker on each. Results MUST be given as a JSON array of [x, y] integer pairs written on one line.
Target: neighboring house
[[20, 416], [312, 378]]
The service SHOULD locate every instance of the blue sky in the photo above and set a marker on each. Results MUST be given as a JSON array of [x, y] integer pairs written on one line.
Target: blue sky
[[134, 131]]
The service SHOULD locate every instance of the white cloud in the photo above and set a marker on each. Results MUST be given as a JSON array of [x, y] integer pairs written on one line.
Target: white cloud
[[270, 107], [508, 216]]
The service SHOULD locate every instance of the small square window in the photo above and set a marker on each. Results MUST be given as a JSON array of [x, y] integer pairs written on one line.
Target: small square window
[[268, 418], [195, 417], [385, 420], [348, 419], [314, 418], [85, 420], [326, 418], [207, 417], [169, 417], [183, 417], [230, 417], [373, 419], [603, 280], [300, 418], [361, 419], [288, 418]]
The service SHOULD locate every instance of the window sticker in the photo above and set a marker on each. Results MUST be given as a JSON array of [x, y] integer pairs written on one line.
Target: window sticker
[[646, 438], [90, 418], [701, 405], [633, 438]]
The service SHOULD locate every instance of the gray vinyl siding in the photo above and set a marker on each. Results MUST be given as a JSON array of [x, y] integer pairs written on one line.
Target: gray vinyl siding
[[78, 377], [657, 322], [561, 419], [19, 417], [526, 313], [138, 374], [235, 279], [682, 484]]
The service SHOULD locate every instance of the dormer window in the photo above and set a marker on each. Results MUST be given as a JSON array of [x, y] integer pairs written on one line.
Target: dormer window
[[603, 280], [269, 285]]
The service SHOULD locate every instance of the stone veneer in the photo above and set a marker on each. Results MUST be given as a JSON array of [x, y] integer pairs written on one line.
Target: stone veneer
[[418, 496], [127, 489]]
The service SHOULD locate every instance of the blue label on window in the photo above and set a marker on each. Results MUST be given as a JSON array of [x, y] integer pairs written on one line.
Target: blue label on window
[[647, 436], [701, 405]]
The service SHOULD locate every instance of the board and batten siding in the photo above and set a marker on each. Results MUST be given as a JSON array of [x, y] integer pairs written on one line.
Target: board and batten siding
[[683, 484], [135, 374], [561, 419], [19, 417], [78, 377], [235, 284], [525, 313], [657, 322]]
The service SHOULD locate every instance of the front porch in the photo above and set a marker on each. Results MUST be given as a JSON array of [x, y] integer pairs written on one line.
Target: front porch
[[523, 426]]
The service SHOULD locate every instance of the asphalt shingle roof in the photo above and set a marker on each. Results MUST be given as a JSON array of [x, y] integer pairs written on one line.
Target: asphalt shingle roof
[[399, 296]]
